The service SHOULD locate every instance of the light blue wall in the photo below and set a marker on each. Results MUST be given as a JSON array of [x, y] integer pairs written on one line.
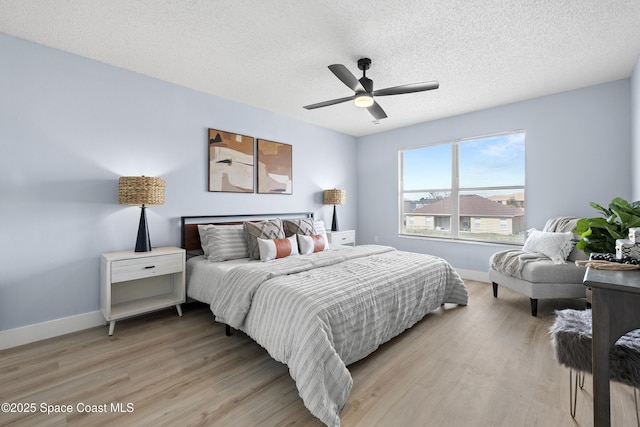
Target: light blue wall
[[69, 127], [578, 150], [635, 123]]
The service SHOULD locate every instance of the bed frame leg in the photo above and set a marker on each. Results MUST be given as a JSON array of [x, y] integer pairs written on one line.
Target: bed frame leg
[[227, 330], [495, 289]]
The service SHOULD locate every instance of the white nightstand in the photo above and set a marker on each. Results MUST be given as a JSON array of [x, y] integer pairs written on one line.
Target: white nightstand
[[133, 283], [342, 237]]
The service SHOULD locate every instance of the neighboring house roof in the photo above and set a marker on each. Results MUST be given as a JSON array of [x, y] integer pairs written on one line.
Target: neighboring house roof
[[470, 205]]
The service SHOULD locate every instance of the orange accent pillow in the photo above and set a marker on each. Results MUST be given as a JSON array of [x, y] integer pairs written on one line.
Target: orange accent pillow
[[271, 249], [318, 243], [283, 247], [310, 244]]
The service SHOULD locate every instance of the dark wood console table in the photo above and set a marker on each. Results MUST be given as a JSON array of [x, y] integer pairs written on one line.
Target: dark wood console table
[[615, 311]]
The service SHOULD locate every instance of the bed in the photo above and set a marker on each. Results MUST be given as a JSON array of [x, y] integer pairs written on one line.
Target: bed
[[316, 311]]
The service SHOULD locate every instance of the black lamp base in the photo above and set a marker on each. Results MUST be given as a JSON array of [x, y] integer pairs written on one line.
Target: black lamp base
[[143, 244], [334, 223]]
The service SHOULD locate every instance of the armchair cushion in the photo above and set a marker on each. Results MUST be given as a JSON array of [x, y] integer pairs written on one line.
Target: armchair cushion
[[546, 271]]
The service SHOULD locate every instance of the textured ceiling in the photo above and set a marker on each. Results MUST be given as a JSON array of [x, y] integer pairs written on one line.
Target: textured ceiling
[[274, 54]]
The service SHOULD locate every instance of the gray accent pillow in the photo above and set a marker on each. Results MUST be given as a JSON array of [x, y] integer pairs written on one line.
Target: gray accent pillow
[[302, 226], [204, 239], [270, 229], [223, 242]]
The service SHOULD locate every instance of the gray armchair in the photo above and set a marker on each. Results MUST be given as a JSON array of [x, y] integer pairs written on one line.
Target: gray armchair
[[540, 277]]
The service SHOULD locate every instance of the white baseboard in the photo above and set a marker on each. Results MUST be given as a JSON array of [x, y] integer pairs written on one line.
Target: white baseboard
[[480, 276], [52, 328]]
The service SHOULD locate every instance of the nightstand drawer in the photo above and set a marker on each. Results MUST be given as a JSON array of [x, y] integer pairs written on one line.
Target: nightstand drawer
[[131, 269], [346, 237]]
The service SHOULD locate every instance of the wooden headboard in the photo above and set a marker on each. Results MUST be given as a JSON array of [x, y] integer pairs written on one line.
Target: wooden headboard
[[189, 225]]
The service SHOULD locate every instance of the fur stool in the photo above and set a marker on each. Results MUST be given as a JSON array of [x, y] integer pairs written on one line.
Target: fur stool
[[571, 339]]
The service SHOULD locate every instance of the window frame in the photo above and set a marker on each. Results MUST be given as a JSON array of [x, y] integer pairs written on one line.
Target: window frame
[[456, 190]]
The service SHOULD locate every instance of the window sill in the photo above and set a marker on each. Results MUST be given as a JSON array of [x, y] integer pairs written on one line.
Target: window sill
[[465, 241]]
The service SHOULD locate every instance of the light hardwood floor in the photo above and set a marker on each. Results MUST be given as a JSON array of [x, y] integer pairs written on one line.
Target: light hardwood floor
[[487, 364]]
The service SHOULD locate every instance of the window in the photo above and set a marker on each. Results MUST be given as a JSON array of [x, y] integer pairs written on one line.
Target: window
[[470, 189]]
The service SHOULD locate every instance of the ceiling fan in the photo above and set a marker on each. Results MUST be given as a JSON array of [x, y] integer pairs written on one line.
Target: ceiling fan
[[364, 92]]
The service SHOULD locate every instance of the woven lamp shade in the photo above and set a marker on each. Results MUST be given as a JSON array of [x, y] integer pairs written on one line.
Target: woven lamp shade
[[140, 190], [335, 197]]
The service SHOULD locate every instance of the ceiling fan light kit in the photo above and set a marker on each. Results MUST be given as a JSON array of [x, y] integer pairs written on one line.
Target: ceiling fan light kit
[[363, 88], [363, 100]]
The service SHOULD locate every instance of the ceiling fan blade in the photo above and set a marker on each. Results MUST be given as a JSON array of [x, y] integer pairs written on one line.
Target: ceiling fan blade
[[346, 77], [327, 103], [410, 88], [376, 111]]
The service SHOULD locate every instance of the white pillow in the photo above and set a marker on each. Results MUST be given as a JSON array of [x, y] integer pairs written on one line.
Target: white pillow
[[556, 246], [318, 227], [277, 248], [311, 244], [223, 242]]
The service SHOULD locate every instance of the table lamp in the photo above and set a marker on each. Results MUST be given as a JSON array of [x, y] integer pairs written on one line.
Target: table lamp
[[141, 190], [334, 197]]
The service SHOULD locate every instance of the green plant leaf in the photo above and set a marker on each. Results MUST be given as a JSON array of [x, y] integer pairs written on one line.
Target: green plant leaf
[[600, 208], [582, 225], [600, 234]]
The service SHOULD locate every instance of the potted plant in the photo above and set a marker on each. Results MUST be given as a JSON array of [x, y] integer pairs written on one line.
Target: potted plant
[[599, 234]]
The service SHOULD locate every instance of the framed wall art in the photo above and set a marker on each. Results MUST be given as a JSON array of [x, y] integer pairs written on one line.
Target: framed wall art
[[275, 172], [231, 162]]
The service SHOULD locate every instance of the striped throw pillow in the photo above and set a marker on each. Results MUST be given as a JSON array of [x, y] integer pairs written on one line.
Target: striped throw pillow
[[223, 242]]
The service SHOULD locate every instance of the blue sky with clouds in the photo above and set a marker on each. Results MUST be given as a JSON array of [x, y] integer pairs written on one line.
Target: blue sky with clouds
[[485, 162]]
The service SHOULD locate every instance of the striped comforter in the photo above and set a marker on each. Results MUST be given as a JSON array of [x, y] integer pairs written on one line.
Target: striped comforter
[[319, 313]]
